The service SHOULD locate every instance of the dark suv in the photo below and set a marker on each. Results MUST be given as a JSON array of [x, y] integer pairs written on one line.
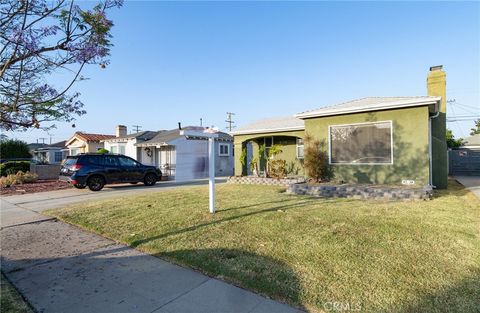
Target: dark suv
[[96, 170]]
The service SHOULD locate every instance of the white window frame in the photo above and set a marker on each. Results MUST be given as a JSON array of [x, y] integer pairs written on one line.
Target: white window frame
[[75, 151], [118, 147], [353, 124], [298, 146], [220, 149]]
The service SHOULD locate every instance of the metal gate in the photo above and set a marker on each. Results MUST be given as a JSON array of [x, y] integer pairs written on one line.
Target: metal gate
[[464, 162]]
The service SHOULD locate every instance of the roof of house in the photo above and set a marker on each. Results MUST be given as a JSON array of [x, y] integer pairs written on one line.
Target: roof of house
[[166, 136], [472, 141], [90, 137], [60, 144], [34, 146], [369, 104], [56, 146], [270, 125], [143, 135]]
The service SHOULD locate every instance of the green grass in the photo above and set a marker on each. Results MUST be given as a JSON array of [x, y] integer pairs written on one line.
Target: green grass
[[378, 256], [10, 299]]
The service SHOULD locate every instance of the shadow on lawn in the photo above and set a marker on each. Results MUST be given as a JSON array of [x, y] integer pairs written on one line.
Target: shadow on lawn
[[284, 207], [461, 297], [255, 272]]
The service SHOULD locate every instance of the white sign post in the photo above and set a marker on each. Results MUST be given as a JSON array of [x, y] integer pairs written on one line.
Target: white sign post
[[211, 134]]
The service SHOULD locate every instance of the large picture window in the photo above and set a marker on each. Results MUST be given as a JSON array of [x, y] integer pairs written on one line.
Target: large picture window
[[365, 143]]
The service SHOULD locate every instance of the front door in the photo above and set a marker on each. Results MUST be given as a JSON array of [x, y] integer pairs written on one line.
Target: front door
[[249, 157]]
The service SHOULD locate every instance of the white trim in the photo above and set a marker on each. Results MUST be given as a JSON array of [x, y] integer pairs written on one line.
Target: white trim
[[297, 146], [220, 149], [353, 124], [267, 130], [365, 108]]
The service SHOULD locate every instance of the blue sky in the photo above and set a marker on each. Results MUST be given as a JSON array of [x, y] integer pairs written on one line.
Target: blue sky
[[182, 61]]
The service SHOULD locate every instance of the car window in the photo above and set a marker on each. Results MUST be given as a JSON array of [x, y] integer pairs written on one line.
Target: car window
[[127, 162], [94, 159], [70, 161], [110, 160]]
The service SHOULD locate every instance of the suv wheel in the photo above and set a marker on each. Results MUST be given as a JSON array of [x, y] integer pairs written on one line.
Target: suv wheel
[[79, 186], [150, 179], [96, 183]]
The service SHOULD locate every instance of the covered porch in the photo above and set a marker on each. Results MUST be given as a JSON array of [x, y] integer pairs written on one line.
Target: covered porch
[[161, 156], [248, 146]]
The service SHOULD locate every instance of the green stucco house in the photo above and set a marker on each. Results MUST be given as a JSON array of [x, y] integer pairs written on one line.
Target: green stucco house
[[374, 140]]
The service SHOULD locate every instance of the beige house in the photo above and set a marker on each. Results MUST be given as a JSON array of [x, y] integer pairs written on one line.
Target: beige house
[[84, 143]]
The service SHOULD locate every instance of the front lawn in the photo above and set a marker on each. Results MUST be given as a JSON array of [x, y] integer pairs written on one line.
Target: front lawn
[[318, 254], [10, 299]]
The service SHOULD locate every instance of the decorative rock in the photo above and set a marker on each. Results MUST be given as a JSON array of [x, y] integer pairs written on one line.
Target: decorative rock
[[361, 192], [265, 181]]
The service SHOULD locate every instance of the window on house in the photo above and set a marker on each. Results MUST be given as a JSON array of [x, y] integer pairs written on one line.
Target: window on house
[[224, 149], [120, 149], [74, 151], [58, 156], [300, 148], [366, 143], [268, 141]]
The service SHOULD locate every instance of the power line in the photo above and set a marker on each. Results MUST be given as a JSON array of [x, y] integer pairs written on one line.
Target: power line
[[456, 121], [229, 121]]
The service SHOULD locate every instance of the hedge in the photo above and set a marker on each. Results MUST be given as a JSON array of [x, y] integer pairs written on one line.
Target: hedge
[[14, 149], [13, 167]]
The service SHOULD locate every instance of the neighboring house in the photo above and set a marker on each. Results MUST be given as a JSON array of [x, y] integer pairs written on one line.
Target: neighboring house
[[124, 143], [376, 140], [34, 146], [84, 143], [183, 157], [471, 143], [51, 154]]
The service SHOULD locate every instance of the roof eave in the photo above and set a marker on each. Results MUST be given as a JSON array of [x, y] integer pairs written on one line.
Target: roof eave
[[267, 130], [389, 106]]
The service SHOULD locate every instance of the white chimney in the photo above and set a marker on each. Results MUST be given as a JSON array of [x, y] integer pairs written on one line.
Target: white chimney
[[121, 130]]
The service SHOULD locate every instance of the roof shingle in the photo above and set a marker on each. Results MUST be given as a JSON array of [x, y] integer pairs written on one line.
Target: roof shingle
[[93, 137], [276, 124], [368, 104]]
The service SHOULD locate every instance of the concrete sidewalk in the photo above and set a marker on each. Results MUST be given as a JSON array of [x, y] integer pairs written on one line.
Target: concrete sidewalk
[[472, 183], [58, 267]]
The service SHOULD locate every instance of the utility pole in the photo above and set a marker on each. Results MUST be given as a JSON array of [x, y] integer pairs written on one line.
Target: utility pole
[[201, 122], [42, 139], [229, 121], [137, 128]]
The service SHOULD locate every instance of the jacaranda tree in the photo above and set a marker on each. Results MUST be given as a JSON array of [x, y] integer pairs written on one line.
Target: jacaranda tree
[[40, 39]]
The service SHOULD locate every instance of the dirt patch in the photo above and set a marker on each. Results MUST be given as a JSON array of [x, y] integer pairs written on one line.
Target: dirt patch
[[39, 186]]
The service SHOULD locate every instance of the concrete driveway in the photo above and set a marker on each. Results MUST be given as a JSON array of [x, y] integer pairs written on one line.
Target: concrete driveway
[[472, 183], [37, 202], [58, 267]]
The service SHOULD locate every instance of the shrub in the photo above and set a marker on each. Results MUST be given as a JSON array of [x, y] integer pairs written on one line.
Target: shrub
[[13, 149], [277, 168], [272, 152], [102, 151], [292, 168], [18, 179], [316, 160], [13, 167]]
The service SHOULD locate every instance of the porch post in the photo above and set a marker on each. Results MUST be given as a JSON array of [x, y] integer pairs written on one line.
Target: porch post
[[211, 173], [211, 134]]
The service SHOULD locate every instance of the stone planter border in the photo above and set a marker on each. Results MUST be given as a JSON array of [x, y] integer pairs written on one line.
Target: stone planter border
[[250, 180], [362, 192]]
